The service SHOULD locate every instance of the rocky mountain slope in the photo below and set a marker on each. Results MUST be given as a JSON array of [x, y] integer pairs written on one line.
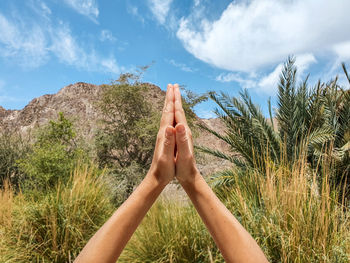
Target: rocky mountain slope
[[78, 103]]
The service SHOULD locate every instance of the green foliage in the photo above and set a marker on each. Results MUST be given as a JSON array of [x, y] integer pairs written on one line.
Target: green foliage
[[249, 134], [52, 157], [56, 226], [12, 148], [190, 100], [290, 217], [316, 119], [129, 126]]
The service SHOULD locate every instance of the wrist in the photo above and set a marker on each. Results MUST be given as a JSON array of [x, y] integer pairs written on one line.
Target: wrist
[[190, 180], [155, 180]]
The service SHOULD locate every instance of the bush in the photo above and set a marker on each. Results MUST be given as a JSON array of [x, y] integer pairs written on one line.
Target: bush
[[52, 157], [57, 226]]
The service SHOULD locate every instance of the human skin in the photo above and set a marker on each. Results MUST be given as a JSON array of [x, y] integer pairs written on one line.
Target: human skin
[[109, 241], [234, 242]]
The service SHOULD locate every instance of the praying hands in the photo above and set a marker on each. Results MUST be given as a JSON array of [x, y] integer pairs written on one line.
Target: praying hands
[[234, 242]]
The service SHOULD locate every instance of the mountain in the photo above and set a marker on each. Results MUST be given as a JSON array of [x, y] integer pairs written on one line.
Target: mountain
[[78, 103]]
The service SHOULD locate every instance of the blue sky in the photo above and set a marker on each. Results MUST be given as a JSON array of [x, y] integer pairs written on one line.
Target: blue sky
[[206, 45]]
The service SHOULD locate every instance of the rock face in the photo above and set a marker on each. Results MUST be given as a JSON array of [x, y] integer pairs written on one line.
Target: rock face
[[78, 103], [75, 101]]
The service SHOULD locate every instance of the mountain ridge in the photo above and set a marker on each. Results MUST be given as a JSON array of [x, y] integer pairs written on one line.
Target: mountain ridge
[[78, 103]]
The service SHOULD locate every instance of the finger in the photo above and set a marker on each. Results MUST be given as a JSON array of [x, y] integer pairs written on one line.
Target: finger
[[179, 112], [169, 142], [182, 141], [168, 110]]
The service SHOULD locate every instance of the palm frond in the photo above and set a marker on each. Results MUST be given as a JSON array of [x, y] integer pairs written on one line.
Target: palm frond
[[225, 178], [345, 71]]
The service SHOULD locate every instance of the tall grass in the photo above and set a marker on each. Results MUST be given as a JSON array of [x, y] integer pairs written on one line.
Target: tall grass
[[171, 232], [292, 214], [294, 217], [55, 227]]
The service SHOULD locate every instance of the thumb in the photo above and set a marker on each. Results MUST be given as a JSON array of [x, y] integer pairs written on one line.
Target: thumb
[[182, 143], [169, 142]]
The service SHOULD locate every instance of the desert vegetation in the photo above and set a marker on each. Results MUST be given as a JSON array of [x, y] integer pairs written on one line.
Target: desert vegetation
[[288, 184]]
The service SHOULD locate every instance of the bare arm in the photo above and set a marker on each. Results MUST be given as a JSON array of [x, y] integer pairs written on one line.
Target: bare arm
[[109, 241], [234, 242]]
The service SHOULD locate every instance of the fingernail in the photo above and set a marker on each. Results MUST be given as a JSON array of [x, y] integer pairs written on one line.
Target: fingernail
[[181, 128], [169, 131]]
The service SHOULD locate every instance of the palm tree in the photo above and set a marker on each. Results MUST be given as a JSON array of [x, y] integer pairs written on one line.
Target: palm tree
[[307, 119]]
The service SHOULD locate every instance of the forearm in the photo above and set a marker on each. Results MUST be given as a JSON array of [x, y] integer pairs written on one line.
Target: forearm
[[108, 242], [234, 242]]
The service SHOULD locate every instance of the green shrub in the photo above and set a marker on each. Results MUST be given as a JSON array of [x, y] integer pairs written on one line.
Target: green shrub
[[52, 157], [55, 227]]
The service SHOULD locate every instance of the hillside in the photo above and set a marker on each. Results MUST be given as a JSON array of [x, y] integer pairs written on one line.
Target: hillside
[[77, 101]]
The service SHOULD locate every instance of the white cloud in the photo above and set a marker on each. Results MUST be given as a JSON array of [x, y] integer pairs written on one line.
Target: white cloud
[[67, 50], [181, 66], [303, 62], [160, 9], [65, 47], [40, 8], [205, 114], [245, 82], [197, 2], [252, 34], [110, 64], [87, 8], [267, 83], [107, 35], [31, 43], [45, 8], [342, 50], [27, 45], [133, 10]]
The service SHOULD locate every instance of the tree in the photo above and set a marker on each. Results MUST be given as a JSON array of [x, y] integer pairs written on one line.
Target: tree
[[130, 123], [310, 120]]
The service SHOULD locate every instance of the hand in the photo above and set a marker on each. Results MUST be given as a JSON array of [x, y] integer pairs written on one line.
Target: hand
[[186, 169], [163, 163]]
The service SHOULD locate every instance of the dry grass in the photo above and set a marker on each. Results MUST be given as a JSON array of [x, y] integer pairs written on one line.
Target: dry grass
[[53, 227], [171, 232], [294, 217]]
